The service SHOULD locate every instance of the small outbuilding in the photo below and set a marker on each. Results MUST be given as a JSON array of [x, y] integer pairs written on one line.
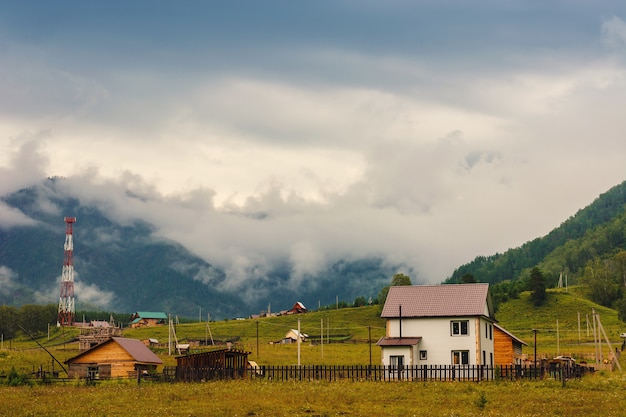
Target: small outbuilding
[[507, 347], [216, 364], [147, 319], [292, 336], [117, 357]]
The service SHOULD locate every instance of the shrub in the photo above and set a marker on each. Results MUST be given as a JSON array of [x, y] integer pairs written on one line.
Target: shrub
[[15, 378]]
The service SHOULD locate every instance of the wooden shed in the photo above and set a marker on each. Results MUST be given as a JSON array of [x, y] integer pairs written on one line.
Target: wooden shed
[[292, 336], [216, 364], [117, 357], [507, 347]]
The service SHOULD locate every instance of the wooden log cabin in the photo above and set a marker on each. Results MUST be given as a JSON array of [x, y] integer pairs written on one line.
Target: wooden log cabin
[[507, 347], [117, 357]]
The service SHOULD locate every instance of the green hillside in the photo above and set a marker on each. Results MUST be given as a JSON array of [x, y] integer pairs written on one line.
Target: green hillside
[[599, 230], [348, 331], [520, 317]]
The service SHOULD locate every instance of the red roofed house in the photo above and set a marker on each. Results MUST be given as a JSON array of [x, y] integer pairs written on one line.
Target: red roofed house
[[297, 308], [438, 325], [118, 357]]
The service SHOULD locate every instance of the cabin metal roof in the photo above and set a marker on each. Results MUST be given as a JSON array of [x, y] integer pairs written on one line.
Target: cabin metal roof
[[135, 348], [151, 315], [446, 300]]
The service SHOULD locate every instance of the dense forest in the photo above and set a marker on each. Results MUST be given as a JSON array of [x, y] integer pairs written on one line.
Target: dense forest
[[589, 249]]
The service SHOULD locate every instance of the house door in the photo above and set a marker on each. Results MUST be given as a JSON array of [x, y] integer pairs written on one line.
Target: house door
[[396, 367]]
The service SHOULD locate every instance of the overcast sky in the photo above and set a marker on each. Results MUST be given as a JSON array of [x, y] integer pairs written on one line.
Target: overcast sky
[[425, 132]]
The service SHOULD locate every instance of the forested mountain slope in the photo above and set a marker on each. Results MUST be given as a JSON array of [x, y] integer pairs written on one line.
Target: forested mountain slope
[[598, 230], [128, 266]]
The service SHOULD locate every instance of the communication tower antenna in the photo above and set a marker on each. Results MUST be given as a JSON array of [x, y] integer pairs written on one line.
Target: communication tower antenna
[[66, 300]]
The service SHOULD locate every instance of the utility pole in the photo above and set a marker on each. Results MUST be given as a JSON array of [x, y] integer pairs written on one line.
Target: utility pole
[[369, 340], [595, 335], [299, 340], [322, 336], [535, 334]]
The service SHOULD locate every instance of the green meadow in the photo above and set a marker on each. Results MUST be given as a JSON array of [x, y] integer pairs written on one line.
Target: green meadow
[[598, 395]]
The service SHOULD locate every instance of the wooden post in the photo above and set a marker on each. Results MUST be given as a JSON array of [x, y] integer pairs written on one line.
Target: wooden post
[[299, 340], [369, 340], [322, 336]]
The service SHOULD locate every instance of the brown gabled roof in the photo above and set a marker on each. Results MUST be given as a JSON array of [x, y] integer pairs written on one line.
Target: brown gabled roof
[[138, 350], [448, 300], [135, 348], [398, 341]]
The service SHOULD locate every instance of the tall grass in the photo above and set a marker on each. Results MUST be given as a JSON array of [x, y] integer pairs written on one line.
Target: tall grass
[[599, 395]]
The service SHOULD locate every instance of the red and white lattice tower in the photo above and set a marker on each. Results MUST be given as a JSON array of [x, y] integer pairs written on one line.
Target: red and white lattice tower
[[66, 300]]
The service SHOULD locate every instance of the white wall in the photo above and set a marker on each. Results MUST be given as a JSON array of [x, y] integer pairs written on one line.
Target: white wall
[[438, 342], [406, 351]]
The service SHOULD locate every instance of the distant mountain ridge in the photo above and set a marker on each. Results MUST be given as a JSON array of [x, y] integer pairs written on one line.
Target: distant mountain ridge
[[596, 230], [127, 268]]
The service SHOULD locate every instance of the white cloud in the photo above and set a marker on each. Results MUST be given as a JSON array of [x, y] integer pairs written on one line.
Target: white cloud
[[614, 33], [92, 294], [7, 279], [10, 217]]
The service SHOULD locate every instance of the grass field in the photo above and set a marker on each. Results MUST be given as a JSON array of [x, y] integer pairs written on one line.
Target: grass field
[[599, 395]]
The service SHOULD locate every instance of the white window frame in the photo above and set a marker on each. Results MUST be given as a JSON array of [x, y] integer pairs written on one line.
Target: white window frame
[[460, 357], [457, 328], [397, 361]]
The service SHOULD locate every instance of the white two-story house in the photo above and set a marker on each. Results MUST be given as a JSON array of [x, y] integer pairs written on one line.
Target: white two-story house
[[449, 324]]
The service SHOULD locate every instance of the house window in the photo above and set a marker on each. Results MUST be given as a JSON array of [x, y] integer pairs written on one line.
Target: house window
[[491, 359], [93, 372], [423, 355], [484, 357], [491, 332], [397, 361], [459, 327], [460, 357]]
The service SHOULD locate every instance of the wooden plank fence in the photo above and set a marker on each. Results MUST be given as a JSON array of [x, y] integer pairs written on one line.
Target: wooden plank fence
[[380, 373]]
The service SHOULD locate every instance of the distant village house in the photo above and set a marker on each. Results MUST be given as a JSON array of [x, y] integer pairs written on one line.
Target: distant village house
[[297, 308], [292, 336], [147, 319]]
